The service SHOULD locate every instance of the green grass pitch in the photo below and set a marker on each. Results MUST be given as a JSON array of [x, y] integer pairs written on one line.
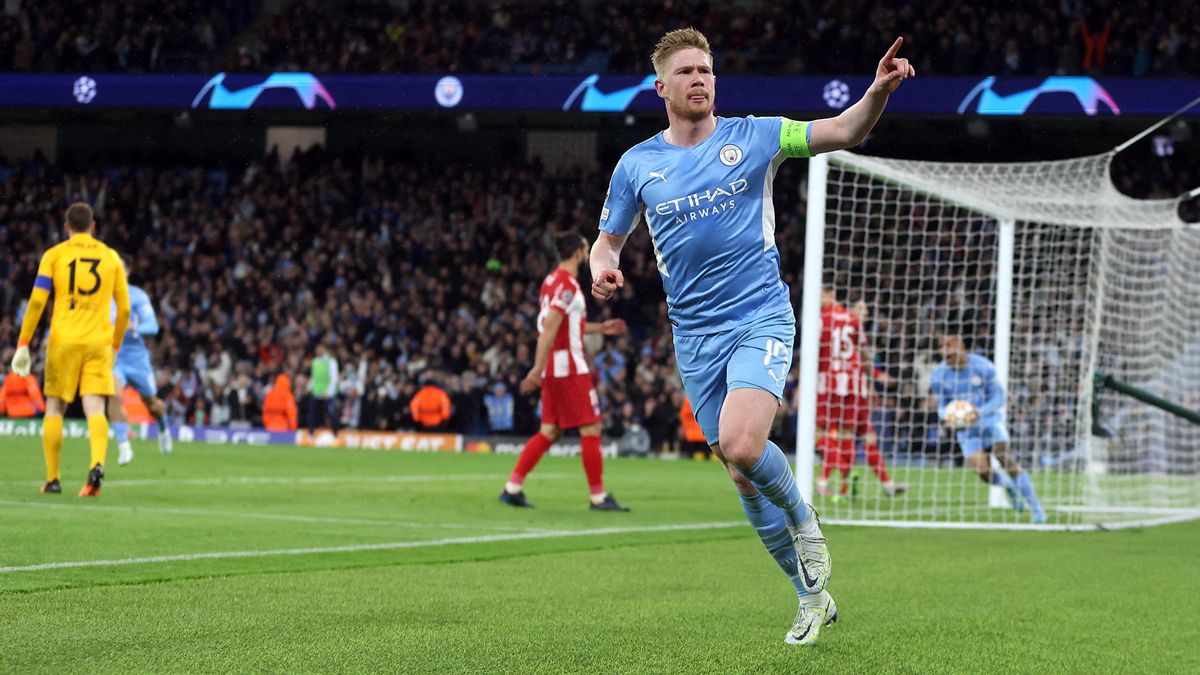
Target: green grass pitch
[[319, 560]]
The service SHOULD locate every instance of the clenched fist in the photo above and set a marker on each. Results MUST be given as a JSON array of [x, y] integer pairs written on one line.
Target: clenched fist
[[606, 284]]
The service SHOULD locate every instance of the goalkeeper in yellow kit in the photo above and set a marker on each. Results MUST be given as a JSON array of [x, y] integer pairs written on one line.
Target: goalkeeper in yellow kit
[[85, 276]]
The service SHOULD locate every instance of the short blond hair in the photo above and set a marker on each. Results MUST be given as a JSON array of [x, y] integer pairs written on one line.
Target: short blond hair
[[673, 42]]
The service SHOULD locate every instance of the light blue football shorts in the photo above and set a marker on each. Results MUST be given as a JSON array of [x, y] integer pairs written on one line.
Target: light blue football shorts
[[755, 355], [137, 371], [977, 438]]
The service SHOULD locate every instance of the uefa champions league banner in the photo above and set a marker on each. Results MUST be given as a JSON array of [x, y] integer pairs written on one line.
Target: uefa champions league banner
[[810, 95], [381, 440], [228, 435], [77, 428], [188, 433], [32, 427], [406, 441], [200, 433], [512, 445]]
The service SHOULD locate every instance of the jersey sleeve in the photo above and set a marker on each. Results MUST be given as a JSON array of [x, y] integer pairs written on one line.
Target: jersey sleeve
[[561, 295], [145, 321], [622, 210], [45, 272], [766, 135], [994, 395], [42, 287]]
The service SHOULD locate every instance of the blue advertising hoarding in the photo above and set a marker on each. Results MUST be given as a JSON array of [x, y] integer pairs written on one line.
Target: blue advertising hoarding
[[809, 95]]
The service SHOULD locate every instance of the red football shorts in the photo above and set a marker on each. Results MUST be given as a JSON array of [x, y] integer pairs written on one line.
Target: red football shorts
[[839, 455], [847, 414], [570, 402]]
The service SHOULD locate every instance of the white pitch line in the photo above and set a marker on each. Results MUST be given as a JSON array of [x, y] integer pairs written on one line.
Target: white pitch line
[[271, 516], [486, 539], [305, 480]]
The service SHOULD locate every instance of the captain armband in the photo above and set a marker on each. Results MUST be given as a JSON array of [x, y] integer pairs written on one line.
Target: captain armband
[[794, 137]]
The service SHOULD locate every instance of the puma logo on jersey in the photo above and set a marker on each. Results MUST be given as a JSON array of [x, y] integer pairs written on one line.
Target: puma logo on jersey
[[659, 174]]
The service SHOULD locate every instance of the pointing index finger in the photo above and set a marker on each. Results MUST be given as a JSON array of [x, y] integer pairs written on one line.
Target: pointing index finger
[[891, 52]]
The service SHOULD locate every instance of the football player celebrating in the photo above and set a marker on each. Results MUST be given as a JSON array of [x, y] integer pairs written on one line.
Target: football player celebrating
[[704, 185]]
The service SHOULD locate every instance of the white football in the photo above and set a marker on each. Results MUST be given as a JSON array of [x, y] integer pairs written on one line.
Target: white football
[[960, 414]]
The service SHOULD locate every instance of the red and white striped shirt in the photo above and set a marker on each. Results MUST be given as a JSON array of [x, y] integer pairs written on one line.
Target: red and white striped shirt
[[840, 360], [561, 292]]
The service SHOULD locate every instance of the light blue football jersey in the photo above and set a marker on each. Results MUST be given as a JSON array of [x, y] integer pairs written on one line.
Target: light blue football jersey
[[711, 219], [142, 321], [975, 382]]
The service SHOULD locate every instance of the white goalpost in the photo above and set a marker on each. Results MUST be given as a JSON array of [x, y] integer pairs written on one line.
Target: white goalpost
[[1049, 271]]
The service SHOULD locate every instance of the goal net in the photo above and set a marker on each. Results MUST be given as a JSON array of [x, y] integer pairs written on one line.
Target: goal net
[[1048, 271]]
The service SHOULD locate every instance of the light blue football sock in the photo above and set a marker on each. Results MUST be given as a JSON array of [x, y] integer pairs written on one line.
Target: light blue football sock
[[773, 477], [1000, 478], [120, 431], [1026, 487], [769, 522]]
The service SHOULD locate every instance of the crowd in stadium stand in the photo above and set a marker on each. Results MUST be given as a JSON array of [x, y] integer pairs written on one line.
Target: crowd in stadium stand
[[415, 276], [1131, 38], [117, 35]]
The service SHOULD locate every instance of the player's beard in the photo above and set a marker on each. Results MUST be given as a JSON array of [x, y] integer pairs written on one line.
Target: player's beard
[[693, 112]]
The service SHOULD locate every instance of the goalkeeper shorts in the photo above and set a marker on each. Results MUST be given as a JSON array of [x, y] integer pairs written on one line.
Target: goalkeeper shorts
[[977, 438], [86, 369]]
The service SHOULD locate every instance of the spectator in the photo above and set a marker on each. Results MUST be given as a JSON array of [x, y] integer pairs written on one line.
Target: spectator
[[499, 405], [466, 400], [351, 408], [242, 402], [322, 389], [21, 396], [279, 406], [219, 412], [610, 363], [430, 407]]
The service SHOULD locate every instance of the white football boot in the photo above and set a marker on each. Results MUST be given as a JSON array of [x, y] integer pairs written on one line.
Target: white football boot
[[125, 455], [815, 611]]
